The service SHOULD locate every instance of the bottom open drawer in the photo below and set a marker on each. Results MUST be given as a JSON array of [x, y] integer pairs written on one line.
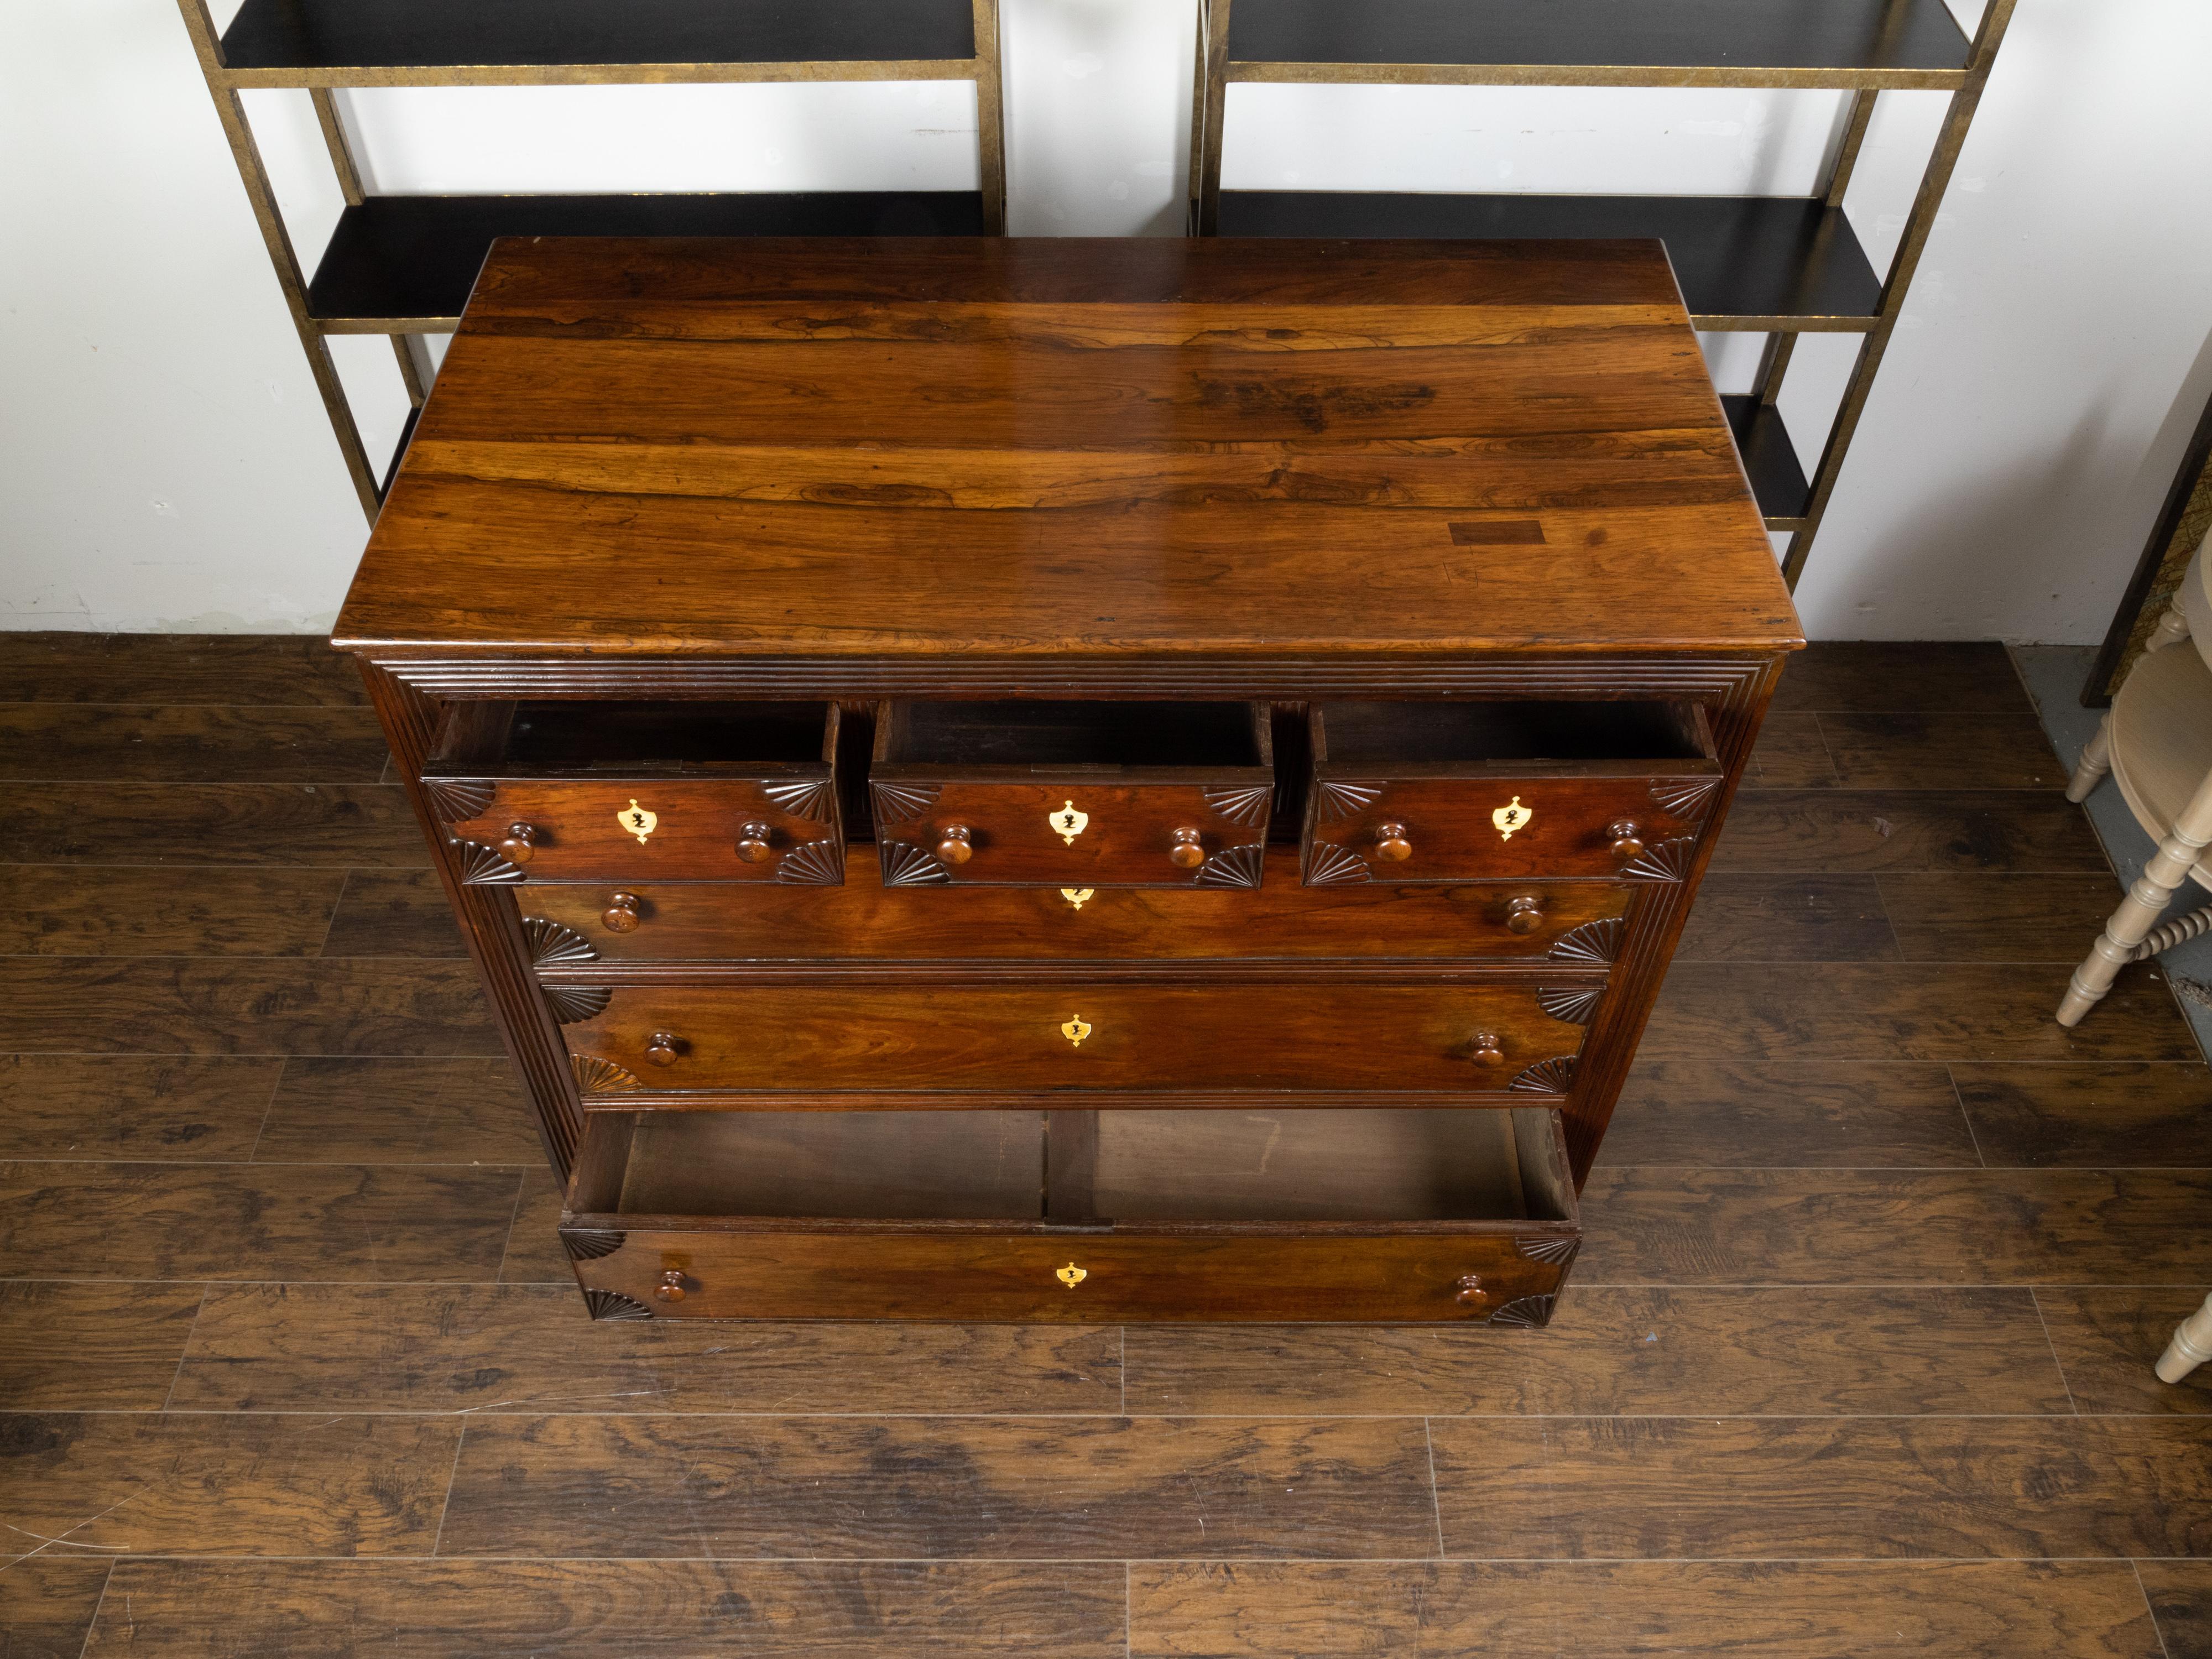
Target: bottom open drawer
[[1076, 1216]]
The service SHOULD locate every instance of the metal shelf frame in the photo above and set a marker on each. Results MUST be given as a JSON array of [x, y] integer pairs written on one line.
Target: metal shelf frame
[[1792, 506], [301, 70]]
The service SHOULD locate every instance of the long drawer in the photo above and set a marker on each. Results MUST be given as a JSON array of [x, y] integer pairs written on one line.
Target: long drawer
[[1416, 1215]]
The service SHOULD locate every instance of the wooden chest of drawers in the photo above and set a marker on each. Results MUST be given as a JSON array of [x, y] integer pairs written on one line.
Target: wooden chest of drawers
[[1072, 781]]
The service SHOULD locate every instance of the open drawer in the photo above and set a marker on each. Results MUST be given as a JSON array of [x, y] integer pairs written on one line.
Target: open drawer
[[624, 792], [1074, 1217], [1072, 794], [1413, 792]]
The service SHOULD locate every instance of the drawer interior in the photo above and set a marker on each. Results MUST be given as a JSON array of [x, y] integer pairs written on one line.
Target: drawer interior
[[1080, 1168], [630, 739], [1382, 734], [1056, 736]]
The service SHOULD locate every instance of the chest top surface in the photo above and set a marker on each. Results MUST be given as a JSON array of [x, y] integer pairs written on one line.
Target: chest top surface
[[1072, 448]]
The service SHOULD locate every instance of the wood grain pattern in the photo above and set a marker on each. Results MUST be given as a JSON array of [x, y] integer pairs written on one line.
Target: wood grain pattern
[[2106, 1336], [1613, 1351], [1945, 750], [1876, 831], [1614, 1610], [1889, 1488], [1747, 1115], [533, 1254], [1996, 918], [174, 669], [80, 742], [1870, 677], [92, 1347], [394, 912], [130, 1106], [2180, 1596], [178, 1484], [172, 824], [47, 1601], [1755, 918], [2090, 1116], [235, 1221], [397, 1111], [589, 1609], [68, 910], [735, 1488], [1790, 753], [483, 1348]]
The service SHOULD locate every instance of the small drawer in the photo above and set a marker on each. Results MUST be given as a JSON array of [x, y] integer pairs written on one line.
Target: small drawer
[[1497, 790], [1071, 794], [1027, 1036], [628, 792], [1091, 1218], [1569, 923]]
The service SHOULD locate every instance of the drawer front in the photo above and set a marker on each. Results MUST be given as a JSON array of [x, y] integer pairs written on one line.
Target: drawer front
[[1562, 922], [1077, 1277], [1627, 826], [1072, 833], [780, 828], [954, 1036]]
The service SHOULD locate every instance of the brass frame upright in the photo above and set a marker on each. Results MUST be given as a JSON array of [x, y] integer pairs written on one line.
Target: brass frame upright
[[1215, 71], [225, 83]]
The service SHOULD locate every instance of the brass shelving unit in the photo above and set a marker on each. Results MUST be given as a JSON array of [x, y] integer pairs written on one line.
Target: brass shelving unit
[[402, 266], [1782, 266]]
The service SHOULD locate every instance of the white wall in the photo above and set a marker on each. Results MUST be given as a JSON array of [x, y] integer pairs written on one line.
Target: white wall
[[164, 462]]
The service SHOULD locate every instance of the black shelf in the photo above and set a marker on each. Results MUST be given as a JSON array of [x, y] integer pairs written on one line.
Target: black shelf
[[412, 260], [1841, 35], [1778, 257], [1778, 478], [325, 36]]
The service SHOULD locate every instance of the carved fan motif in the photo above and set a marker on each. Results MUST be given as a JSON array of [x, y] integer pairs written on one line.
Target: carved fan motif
[[809, 800], [584, 1245], [596, 1076], [1526, 1312], [1687, 799], [613, 1305], [1331, 863], [1546, 1077], [555, 943], [902, 803], [812, 864], [1248, 806], [906, 864], [1344, 800], [454, 800], [1594, 942], [1234, 866], [481, 867], [571, 1003], [1669, 861], [1575, 1006], [1556, 1251]]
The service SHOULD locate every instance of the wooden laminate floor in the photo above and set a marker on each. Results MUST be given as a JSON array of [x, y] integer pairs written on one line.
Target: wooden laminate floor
[[1857, 1359]]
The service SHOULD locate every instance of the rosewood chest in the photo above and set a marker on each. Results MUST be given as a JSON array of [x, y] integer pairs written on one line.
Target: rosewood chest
[[1059, 780]]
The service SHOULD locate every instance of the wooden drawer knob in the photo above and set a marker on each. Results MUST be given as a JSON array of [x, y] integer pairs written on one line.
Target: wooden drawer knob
[[1470, 1290], [1186, 854], [520, 844], [1524, 915], [1627, 839], [753, 843], [621, 915], [1489, 1049], [671, 1288], [661, 1051], [955, 846], [1390, 843]]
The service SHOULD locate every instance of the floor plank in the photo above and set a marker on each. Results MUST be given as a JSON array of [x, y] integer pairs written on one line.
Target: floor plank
[[341, 1110], [1871, 677], [534, 1254], [1613, 1610], [253, 1006], [1044, 1489], [484, 1347], [1976, 918], [1619, 1351], [46, 1601], [2107, 1337], [1749, 1114], [2181, 1595], [1789, 755], [1751, 918], [1896, 1227], [92, 1347], [145, 1221], [1825, 1488], [133, 1106], [1941, 751], [165, 1482], [54, 666], [366, 825], [394, 913], [70, 910], [118, 742], [1843, 831], [2090, 1116], [594, 1609]]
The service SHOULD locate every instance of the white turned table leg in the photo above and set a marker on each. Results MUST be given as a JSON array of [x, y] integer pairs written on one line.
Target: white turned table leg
[[2096, 761], [2172, 628], [2191, 1347], [2139, 911]]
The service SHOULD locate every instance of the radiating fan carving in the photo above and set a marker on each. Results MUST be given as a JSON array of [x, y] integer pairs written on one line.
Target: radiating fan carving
[[1574, 1003], [1687, 799], [1547, 1077], [1248, 805], [1594, 942], [1234, 866], [1669, 861], [571, 1003], [481, 867], [554, 943], [1556, 1251], [613, 1305], [596, 1076], [455, 799], [906, 864], [812, 864], [1526, 1312], [586, 1244], [902, 803], [809, 800], [1331, 863], [1338, 801]]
